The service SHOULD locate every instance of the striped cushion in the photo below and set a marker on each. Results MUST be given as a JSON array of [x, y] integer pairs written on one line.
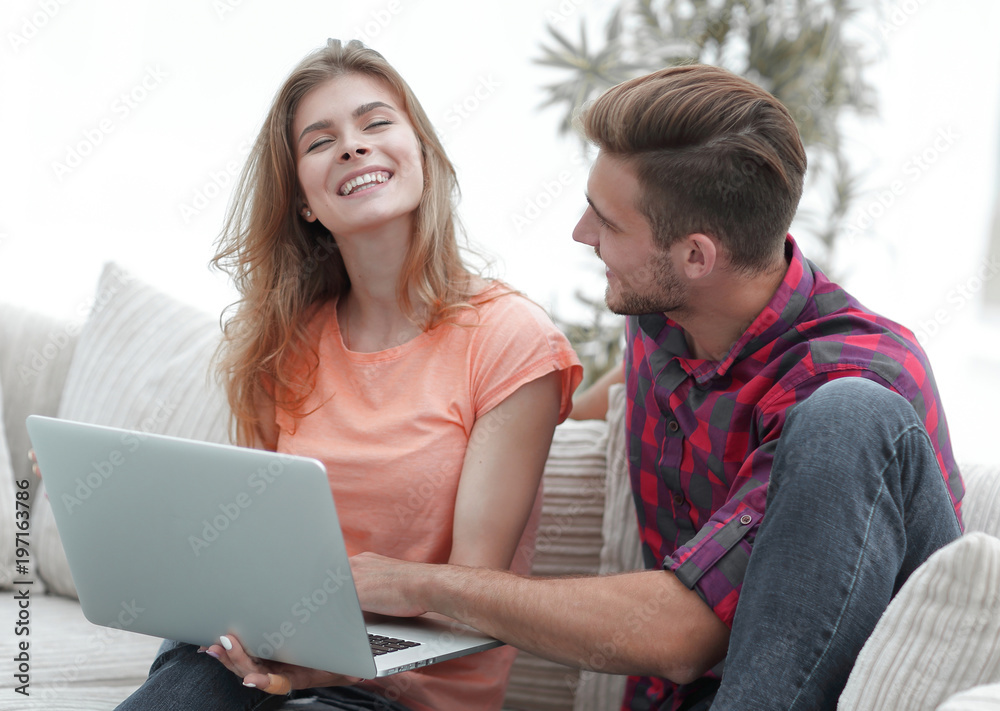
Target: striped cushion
[[7, 510], [143, 362], [620, 552], [980, 698], [939, 634], [981, 505], [75, 665], [569, 543]]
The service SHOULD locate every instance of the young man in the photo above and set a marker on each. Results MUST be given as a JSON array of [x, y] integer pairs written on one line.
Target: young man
[[788, 450]]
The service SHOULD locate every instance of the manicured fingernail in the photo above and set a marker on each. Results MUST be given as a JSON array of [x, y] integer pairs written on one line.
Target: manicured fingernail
[[248, 684], [226, 644], [212, 654]]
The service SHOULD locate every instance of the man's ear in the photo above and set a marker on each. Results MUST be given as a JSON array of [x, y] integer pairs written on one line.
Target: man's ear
[[698, 255]]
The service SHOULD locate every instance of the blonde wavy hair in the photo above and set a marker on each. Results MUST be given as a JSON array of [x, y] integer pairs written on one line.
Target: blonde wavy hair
[[282, 265]]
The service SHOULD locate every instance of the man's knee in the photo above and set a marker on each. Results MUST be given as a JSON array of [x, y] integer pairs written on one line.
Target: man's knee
[[859, 428], [853, 406]]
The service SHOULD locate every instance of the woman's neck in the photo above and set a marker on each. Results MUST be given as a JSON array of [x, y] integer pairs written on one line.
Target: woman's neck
[[371, 316]]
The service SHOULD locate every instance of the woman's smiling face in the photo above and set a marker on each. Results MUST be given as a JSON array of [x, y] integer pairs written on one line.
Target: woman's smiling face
[[359, 160]]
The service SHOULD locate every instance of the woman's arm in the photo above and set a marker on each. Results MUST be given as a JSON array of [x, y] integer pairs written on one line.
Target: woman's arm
[[592, 403], [503, 467]]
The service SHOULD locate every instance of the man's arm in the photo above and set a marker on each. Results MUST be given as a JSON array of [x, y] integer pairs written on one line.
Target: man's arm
[[645, 623]]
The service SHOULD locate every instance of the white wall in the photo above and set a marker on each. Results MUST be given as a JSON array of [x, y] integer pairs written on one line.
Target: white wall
[[160, 99], [932, 185]]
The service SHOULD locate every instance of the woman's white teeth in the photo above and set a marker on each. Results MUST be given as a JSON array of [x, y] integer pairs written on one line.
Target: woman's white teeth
[[363, 181]]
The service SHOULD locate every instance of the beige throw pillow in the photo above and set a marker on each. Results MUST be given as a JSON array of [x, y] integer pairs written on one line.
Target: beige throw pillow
[[143, 362], [621, 550], [981, 505], [939, 635], [980, 698], [9, 519], [569, 543]]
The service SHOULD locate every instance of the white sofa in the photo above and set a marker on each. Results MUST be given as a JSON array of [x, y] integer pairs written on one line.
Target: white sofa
[[140, 360]]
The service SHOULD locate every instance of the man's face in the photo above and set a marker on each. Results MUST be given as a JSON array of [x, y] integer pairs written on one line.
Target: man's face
[[641, 276]]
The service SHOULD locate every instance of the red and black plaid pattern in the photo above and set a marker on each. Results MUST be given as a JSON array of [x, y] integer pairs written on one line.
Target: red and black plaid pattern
[[701, 435]]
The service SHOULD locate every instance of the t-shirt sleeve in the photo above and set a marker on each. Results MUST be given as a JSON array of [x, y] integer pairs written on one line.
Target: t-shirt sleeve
[[514, 343]]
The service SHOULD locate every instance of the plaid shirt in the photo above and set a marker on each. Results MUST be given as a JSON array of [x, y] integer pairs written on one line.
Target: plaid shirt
[[702, 434]]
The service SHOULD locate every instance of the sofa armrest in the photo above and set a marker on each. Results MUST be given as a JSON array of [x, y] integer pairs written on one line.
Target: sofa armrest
[[35, 354], [620, 551], [569, 542]]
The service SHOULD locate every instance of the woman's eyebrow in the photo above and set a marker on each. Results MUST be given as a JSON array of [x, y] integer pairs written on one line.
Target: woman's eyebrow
[[358, 113], [371, 106], [316, 126]]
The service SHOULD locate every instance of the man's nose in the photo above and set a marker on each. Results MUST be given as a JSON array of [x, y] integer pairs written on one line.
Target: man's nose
[[584, 231]]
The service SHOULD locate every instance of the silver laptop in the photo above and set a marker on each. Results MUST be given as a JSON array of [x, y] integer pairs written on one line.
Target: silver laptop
[[189, 540]]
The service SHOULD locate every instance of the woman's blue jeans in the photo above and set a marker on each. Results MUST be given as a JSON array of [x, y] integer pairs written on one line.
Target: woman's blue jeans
[[855, 503], [183, 679]]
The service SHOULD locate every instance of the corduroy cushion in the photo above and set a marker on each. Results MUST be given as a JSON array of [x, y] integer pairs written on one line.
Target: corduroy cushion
[[980, 698], [9, 518], [142, 362], [981, 505], [940, 635]]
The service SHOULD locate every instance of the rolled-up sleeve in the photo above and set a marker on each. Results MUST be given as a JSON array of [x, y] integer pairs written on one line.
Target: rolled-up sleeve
[[714, 562]]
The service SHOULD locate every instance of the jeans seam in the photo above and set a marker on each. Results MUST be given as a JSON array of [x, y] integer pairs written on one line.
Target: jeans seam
[[864, 545], [857, 565]]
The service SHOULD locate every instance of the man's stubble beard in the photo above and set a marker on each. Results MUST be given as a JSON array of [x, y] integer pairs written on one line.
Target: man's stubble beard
[[667, 293]]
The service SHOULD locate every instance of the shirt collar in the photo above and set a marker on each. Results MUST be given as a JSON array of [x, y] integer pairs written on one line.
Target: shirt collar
[[780, 314]]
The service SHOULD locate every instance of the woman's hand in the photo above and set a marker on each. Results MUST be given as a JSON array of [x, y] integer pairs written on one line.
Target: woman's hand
[[34, 463], [268, 676]]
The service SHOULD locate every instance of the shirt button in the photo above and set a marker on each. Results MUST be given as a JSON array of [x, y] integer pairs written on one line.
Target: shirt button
[[678, 498], [673, 426], [746, 519]]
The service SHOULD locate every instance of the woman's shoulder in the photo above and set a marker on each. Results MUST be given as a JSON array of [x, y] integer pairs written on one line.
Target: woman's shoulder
[[497, 299]]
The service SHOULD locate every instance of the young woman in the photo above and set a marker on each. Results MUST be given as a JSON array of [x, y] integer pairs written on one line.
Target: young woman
[[362, 339]]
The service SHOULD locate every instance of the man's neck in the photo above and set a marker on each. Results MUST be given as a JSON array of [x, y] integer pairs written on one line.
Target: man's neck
[[718, 317]]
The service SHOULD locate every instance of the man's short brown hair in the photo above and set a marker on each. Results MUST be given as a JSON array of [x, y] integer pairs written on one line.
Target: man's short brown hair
[[714, 153]]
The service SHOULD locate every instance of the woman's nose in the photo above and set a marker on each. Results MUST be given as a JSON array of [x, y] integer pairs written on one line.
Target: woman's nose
[[358, 151]]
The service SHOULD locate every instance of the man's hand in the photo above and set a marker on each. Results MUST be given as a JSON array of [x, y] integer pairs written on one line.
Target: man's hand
[[268, 676], [643, 622], [388, 586]]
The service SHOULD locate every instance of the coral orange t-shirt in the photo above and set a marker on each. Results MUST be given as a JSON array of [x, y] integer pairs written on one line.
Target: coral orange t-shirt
[[392, 429]]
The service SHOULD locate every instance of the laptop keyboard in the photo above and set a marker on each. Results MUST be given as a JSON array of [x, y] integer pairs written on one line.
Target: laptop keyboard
[[384, 645]]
